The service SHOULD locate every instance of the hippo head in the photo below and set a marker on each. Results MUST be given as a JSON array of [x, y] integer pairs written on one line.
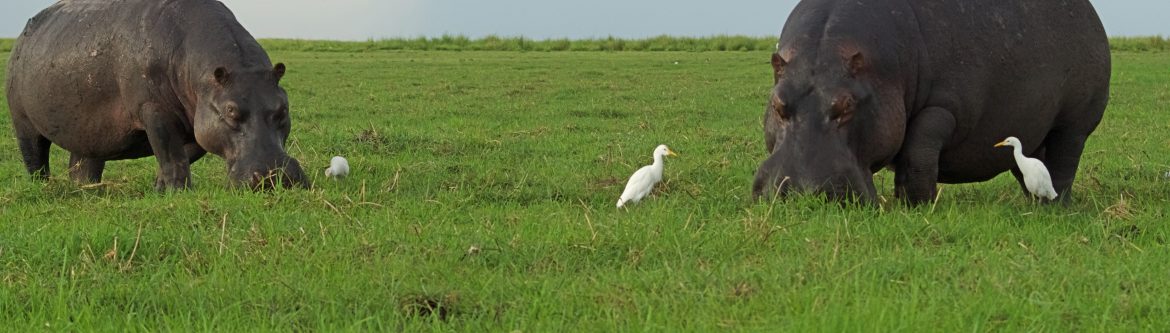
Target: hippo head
[[828, 126], [243, 116]]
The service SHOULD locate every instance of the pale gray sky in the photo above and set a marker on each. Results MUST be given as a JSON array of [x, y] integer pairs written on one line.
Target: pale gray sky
[[365, 19]]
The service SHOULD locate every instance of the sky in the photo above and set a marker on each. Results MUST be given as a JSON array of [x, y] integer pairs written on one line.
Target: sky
[[541, 19]]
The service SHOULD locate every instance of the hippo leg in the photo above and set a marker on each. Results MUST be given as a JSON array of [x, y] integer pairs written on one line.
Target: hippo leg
[[85, 170], [1063, 154], [164, 130], [34, 147], [1020, 179], [194, 152], [916, 173]]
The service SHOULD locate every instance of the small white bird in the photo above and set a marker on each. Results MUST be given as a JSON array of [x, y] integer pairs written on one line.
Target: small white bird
[[1036, 177], [644, 179], [338, 168]]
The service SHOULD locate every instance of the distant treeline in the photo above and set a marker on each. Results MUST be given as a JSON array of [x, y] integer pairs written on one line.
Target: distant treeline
[[660, 43], [496, 43]]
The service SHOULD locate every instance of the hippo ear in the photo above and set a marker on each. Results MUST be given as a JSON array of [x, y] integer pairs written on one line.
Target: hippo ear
[[778, 65], [856, 63], [278, 70], [221, 76]]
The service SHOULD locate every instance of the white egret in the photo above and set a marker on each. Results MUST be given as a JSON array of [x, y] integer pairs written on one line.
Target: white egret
[[338, 168], [644, 179], [1036, 177]]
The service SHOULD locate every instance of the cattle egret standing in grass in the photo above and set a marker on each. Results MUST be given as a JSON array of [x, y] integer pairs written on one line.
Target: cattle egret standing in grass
[[1036, 177], [338, 168], [644, 179]]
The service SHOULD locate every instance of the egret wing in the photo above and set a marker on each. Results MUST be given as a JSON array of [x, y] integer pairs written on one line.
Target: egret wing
[[1038, 180], [638, 181]]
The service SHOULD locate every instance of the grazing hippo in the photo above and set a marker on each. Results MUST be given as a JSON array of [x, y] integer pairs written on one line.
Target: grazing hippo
[[927, 88], [111, 80]]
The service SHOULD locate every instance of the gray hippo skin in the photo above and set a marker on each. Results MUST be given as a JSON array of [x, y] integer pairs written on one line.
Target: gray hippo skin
[[927, 87], [110, 80]]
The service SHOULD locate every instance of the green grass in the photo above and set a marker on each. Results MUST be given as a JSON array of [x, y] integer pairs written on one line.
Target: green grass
[[523, 155], [608, 44]]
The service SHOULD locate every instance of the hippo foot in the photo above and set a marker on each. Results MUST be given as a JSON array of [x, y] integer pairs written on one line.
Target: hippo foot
[[85, 170], [162, 185]]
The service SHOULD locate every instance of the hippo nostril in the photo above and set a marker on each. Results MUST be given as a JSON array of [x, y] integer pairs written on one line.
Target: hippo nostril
[[263, 181], [773, 188], [269, 178], [782, 187]]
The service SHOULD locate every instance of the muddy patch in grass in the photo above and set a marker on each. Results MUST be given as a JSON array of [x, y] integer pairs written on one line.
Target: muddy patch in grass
[[442, 307]]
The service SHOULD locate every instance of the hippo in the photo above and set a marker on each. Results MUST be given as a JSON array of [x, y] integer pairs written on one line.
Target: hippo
[[926, 88], [112, 80]]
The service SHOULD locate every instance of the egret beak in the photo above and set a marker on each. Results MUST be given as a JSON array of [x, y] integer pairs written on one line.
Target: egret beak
[[670, 152], [1001, 144]]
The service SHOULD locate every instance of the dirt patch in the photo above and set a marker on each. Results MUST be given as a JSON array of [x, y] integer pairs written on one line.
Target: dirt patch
[[429, 305], [1120, 210], [606, 183]]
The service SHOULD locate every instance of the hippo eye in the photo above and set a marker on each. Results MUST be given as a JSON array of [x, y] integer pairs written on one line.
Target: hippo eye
[[231, 112], [281, 115], [778, 65], [778, 106], [230, 115], [843, 108]]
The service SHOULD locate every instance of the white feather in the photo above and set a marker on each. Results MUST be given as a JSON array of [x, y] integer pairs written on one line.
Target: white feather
[[643, 180], [1036, 177], [338, 168]]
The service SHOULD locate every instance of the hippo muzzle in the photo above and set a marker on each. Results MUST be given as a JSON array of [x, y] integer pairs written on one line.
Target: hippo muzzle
[[268, 173], [840, 184]]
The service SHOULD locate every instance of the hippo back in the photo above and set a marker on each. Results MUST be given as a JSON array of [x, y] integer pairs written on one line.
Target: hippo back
[[1010, 68]]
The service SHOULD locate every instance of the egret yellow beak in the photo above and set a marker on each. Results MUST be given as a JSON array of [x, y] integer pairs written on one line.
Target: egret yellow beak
[[1002, 143], [670, 152]]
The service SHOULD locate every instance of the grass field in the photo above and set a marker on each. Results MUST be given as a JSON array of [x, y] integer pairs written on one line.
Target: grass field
[[523, 155]]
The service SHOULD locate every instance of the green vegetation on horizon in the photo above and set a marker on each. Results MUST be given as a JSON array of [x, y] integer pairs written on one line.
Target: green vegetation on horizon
[[523, 155], [658, 43]]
